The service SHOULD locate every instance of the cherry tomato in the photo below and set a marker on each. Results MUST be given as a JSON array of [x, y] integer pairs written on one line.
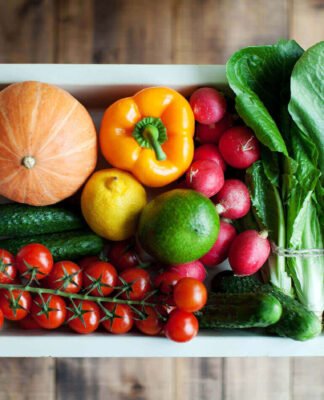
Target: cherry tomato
[[139, 283], [85, 261], [84, 317], [34, 261], [100, 278], [1, 319], [123, 255], [49, 311], [181, 326], [166, 281], [152, 325], [65, 276], [8, 269], [15, 304], [123, 322], [190, 295], [28, 323]]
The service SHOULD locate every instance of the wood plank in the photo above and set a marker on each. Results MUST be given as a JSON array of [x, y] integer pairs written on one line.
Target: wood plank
[[75, 31], [306, 20], [115, 379], [257, 378], [128, 31], [198, 378], [24, 379], [308, 378], [26, 31], [209, 31]]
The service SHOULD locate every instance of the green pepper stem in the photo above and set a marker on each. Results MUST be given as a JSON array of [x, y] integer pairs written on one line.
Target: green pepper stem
[[151, 133]]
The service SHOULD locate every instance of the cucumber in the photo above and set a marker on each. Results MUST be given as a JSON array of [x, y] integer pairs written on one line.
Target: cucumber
[[20, 220], [296, 322], [247, 310], [63, 246]]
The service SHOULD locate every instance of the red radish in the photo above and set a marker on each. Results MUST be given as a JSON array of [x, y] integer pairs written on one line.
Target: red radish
[[208, 105], [239, 147], [219, 252], [233, 200], [206, 177], [248, 252], [209, 152], [194, 269], [212, 133]]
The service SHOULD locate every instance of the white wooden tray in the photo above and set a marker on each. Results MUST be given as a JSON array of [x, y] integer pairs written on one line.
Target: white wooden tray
[[96, 86]]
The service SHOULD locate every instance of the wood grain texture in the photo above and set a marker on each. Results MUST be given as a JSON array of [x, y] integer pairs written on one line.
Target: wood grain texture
[[137, 31], [257, 378], [209, 31], [198, 378], [74, 31], [115, 379], [27, 31], [306, 21], [308, 378], [26, 379]]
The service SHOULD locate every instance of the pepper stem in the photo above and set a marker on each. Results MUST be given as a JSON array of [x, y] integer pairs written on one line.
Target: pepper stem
[[151, 133]]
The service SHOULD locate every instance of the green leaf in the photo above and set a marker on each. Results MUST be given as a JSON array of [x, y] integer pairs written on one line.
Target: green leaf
[[269, 213], [307, 97], [259, 76]]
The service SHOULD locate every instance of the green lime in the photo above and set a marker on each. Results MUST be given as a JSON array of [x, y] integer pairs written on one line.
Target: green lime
[[178, 226]]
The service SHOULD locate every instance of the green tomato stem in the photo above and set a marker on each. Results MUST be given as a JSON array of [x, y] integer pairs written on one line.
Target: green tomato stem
[[76, 295]]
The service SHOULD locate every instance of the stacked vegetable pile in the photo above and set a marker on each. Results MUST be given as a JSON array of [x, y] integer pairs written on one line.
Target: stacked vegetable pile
[[242, 185]]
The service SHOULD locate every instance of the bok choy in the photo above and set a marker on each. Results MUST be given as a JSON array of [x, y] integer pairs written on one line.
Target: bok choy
[[280, 94]]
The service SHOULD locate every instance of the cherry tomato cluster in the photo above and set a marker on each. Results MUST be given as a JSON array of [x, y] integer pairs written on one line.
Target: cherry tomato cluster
[[41, 293]]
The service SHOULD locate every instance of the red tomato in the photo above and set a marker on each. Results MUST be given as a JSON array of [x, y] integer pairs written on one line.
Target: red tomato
[[181, 326], [15, 304], [65, 276], [1, 319], [99, 278], [8, 269], [123, 320], [123, 255], [139, 283], [34, 261], [190, 295], [85, 261], [84, 316], [28, 323], [49, 311], [166, 281], [152, 325]]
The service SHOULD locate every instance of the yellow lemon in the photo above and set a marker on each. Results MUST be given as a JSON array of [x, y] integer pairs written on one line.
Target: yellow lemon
[[111, 203]]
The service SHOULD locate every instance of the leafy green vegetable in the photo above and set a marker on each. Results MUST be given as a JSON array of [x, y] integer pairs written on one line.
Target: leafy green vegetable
[[307, 96], [285, 185], [259, 76], [269, 213]]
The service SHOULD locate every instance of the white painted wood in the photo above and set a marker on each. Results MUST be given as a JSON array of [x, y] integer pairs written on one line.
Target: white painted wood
[[207, 344], [96, 86]]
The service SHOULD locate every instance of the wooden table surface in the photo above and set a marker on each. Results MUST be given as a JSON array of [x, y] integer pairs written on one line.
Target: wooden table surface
[[148, 31]]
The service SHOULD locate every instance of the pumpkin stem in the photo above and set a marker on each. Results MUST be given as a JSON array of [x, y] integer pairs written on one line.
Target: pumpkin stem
[[28, 162]]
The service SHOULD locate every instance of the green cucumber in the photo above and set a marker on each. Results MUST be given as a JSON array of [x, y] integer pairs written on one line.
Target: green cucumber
[[247, 310], [296, 322], [63, 246], [20, 220]]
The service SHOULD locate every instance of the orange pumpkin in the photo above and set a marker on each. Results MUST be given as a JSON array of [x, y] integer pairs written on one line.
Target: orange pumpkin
[[48, 143]]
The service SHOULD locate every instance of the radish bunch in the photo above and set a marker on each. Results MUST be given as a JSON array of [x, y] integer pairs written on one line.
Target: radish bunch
[[223, 144]]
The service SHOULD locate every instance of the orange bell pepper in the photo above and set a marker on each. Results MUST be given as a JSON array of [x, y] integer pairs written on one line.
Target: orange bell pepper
[[150, 135]]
